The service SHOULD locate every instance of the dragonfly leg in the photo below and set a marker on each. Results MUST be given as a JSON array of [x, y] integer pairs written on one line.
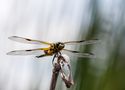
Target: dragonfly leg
[[53, 59], [41, 56], [60, 54], [56, 55]]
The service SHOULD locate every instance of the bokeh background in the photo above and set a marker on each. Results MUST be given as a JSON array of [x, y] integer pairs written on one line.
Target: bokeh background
[[64, 20]]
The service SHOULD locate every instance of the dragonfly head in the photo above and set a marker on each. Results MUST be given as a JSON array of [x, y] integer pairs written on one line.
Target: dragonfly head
[[60, 45]]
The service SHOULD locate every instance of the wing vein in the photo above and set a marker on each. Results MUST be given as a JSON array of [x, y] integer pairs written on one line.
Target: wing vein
[[27, 40]]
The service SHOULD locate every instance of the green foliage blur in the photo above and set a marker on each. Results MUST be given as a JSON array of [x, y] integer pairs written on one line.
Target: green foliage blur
[[107, 70]]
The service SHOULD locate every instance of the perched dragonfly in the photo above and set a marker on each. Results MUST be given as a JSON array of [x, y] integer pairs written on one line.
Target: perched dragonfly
[[52, 49]]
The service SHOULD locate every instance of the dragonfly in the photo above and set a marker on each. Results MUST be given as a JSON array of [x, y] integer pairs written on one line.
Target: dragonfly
[[52, 49]]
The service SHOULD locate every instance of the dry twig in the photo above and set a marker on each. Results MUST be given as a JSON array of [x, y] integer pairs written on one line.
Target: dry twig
[[58, 68]]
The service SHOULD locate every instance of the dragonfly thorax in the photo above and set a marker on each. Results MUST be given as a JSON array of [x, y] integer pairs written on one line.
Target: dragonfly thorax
[[60, 45], [57, 46]]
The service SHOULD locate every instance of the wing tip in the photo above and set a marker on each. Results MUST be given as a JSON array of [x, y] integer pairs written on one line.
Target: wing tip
[[11, 37], [10, 53]]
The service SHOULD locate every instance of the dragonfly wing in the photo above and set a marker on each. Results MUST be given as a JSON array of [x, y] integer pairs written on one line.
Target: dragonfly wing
[[27, 52], [27, 40], [84, 42], [79, 54]]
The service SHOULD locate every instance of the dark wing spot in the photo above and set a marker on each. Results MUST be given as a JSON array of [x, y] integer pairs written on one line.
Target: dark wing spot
[[75, 51], [15, 36], [13, 51], [28, 50], [28, 39], [81, 41], [91, 53]]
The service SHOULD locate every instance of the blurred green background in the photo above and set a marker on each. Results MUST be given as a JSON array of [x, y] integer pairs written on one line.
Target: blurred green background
[[64, 20], [107, 71]]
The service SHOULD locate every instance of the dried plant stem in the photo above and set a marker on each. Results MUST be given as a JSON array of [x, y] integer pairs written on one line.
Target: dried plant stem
[[58, 68], [55, 74]]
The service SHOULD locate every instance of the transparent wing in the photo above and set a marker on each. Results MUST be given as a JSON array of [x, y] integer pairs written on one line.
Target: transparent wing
[[27, 40], [79, 54], [27, 52], [84, 42]]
